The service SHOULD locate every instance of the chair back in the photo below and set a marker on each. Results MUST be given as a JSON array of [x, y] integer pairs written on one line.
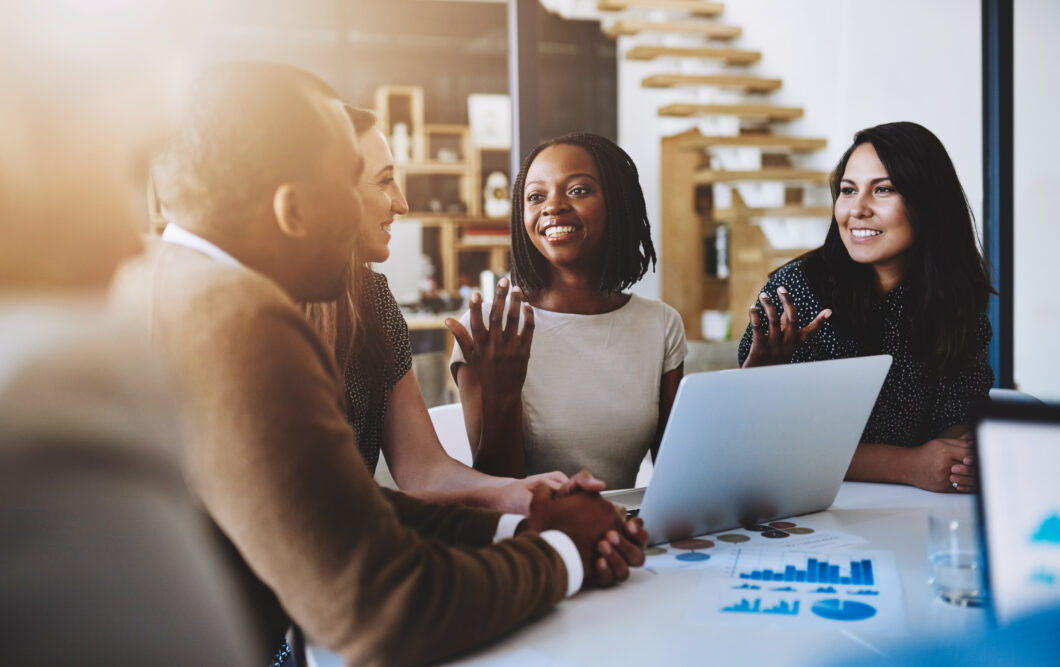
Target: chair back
[[448, 422]]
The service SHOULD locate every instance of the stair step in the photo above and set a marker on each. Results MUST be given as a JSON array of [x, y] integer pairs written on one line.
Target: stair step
[[786, 175], [707, 29], [728, 56], [776, 212], [751, 84], [764, 141], [694, 7], [760, 112]]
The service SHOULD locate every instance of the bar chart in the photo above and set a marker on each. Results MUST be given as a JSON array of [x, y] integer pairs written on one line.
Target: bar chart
[[803, 588], [859, 573]]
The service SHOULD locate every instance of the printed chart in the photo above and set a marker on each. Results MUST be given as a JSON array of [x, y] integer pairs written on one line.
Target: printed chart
[[698, 552], [830, 589]]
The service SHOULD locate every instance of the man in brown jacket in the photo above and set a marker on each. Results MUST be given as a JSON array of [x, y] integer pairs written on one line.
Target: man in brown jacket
[[259, 191]]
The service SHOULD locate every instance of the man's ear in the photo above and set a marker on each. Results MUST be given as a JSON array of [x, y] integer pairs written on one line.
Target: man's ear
[[288, 211]]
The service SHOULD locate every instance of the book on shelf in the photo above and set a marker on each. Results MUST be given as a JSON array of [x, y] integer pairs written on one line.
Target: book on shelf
[[486, 236]]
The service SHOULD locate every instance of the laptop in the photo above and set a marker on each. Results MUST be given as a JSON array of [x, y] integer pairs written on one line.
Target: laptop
[[1019, 507], [750, 445]]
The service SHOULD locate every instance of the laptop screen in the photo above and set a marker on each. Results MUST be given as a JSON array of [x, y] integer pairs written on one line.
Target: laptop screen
[[1019, 470]]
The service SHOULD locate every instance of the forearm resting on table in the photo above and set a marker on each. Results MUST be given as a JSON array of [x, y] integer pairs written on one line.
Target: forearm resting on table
[[875, 462]]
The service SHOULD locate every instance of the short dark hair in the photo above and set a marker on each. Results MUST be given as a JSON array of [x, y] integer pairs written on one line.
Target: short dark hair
[[628, 250], [248, 127], [947, 281]]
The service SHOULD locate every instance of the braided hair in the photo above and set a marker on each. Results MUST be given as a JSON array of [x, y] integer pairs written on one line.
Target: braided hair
[[627, 247]]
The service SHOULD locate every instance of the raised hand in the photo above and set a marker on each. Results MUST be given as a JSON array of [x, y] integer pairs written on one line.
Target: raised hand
[[774, 340], [944, 464], [499, 355]]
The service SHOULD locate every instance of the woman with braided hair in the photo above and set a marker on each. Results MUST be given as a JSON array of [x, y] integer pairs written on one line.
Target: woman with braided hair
[[596, 388]]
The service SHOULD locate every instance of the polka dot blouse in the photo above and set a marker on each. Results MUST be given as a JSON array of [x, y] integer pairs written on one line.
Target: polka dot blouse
[[368, 423], [912, 407]]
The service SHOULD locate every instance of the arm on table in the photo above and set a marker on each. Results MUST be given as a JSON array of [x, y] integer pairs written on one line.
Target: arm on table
[[667, 392], [422, 468], [277, 466], [934, 466]]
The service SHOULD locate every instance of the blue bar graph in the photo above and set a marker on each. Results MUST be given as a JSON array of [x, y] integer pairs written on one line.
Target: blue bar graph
[[744, 606], [816, 571]]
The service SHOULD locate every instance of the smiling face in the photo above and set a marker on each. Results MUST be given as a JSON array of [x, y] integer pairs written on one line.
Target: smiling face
[[381, 195], [871, 214], [563, 207]]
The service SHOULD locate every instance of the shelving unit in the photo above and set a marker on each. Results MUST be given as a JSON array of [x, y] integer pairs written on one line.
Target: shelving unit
[[443, 183]]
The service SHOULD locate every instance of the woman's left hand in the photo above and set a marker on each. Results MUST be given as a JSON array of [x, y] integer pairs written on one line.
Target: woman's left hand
[[784, 335], [498, 355]]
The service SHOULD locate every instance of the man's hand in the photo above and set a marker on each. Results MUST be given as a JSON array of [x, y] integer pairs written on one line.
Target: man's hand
[[775, 342], [608, 546], [944, 465]]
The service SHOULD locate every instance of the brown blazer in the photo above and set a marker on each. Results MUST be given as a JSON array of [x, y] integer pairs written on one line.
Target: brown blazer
[[375, 575]]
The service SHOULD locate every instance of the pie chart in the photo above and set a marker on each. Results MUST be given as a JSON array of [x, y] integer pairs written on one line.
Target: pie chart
[[843, 610]]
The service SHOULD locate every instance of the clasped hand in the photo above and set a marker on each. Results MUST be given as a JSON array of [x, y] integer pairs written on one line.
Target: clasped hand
[[945, 465], [607, 543], [499, 355], [774, 341]]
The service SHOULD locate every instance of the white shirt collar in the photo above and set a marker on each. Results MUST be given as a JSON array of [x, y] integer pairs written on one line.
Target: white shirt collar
[[177, 235]]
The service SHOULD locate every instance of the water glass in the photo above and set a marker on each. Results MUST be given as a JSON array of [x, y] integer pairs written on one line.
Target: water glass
[[956, 572]]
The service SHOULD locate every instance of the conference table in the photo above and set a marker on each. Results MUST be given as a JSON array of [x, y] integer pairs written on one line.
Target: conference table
[[646, 619]]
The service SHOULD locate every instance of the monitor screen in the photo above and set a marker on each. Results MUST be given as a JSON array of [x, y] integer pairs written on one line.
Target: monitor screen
[[1019, 459]]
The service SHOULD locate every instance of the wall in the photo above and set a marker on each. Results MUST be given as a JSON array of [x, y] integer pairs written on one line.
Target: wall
[[1037, 135], [849, 65]]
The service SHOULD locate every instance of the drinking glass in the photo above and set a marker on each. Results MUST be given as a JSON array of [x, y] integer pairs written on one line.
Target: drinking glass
[[956, 572]]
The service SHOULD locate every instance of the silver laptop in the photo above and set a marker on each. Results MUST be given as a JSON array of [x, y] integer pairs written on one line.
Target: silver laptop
[[749, 445], [1019, 507]]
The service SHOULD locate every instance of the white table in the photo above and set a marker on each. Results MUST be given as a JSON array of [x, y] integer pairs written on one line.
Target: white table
[[642, 621]]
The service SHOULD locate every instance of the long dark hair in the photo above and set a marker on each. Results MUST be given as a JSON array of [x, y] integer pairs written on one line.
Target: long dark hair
[[628, 250], [947, 281]]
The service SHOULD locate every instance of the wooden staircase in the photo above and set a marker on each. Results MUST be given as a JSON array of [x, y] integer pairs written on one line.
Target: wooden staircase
[[693, 7], [693, 163], [748, 84]]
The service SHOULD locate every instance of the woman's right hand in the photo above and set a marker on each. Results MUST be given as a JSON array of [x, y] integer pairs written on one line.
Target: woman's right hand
[[498, 356], [775, 343]]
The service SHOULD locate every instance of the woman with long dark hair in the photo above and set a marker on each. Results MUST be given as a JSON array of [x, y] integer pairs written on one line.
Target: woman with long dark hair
[[900, 272], [370, 338], [597, 387]]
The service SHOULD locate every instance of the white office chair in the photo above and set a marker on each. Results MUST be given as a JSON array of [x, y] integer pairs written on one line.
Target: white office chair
[[448, 422]]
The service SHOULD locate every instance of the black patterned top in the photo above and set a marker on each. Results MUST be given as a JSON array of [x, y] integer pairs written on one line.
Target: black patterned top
[[912, 407], [365, 419]]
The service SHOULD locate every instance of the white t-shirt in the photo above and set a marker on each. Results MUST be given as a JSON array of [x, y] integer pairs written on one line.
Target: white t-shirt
[[591, 396]]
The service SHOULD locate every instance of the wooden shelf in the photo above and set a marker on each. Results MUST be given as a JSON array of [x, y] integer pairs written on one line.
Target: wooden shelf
[[707, 29], [484, 247], [694, 7], [445, 168], [728, 56], [758, 112], [751, 84], [777, 212], [786, 175], [767, 142]]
